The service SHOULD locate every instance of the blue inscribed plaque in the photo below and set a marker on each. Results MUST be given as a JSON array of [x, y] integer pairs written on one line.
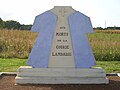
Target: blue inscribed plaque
[[45, 25]]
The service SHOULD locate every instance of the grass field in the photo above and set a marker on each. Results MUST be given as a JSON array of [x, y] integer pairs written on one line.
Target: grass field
[[106, 46], [18, 44], [11, 65]]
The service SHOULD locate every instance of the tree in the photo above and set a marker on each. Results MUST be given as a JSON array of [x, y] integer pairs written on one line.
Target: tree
[[1, 23], [25, 27], [98, 28], [12, 24]]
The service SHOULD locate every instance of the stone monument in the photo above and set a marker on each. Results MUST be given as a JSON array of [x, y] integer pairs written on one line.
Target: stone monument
[[61, 53]]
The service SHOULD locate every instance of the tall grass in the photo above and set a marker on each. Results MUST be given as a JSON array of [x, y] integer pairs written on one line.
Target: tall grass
[[108, 31], [18, 44], [106, 44]]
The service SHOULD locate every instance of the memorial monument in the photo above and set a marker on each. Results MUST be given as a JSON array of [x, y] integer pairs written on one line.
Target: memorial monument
[[61, 53]]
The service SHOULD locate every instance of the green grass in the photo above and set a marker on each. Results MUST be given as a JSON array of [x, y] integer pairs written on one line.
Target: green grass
[[18, 44], [11, 65], [109, 66], [105, 46]]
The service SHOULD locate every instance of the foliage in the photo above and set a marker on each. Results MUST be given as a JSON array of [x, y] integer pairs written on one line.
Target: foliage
[[107, 28], [25, 27], [11, 24], [18, 44], [11, 65], [113, 28], [1, 23], [98, 28]]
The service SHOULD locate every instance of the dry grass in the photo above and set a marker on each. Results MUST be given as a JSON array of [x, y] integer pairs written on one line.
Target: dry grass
[[106, 44], [18, 44], [109, 31]]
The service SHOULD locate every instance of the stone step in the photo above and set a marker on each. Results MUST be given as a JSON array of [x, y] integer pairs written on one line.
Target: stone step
[[29, 75], [65, 74], [30, 69], [60, 80], [61, 72]]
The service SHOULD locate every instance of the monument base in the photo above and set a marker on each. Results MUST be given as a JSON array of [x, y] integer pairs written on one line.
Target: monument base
[[29, 75]]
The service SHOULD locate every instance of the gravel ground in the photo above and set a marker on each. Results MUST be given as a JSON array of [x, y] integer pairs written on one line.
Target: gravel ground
[[7, 82]]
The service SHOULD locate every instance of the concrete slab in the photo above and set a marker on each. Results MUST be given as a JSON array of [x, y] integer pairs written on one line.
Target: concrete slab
[[118, 74], [61, 72], [60, 80], [29, 75]]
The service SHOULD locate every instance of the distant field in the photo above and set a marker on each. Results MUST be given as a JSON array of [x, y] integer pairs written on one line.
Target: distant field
[[105, 44], [18, 44]]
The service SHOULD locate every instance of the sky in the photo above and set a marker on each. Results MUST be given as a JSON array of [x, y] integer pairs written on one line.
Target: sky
[[103, 13]]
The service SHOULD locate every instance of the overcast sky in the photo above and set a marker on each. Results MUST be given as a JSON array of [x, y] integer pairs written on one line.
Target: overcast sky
[[24, 11]]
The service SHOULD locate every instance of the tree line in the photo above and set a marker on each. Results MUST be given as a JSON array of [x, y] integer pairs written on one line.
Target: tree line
[[11, 24], [107, 28]]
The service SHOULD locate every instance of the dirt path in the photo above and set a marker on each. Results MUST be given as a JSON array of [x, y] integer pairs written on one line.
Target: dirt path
[[7, 82]]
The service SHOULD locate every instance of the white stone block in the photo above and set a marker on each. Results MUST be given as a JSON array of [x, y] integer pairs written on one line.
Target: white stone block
[[61, 72], [29, 75], [60, 80]]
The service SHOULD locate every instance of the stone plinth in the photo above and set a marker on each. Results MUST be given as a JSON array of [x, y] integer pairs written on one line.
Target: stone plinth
[[29, 75]]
